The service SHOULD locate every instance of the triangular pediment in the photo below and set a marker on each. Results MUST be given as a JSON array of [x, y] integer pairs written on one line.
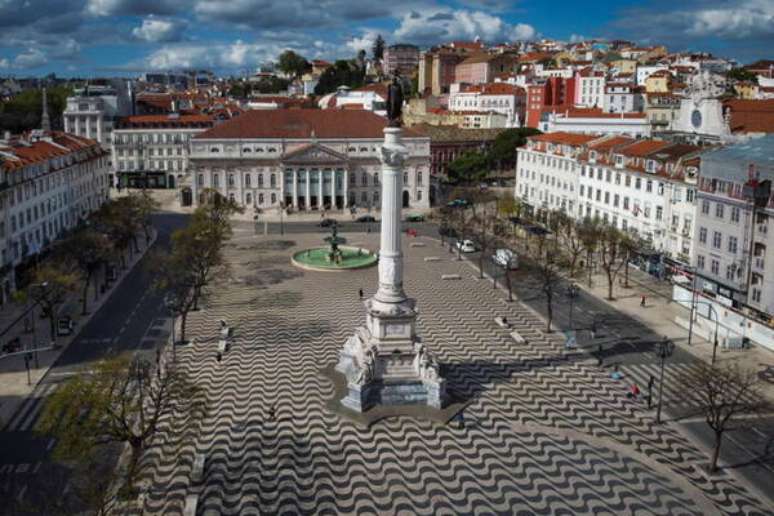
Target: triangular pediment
[[314, 153]]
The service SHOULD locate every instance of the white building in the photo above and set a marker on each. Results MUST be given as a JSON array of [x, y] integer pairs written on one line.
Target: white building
[[597, 122], [93, 111], [623, 97], [51, 180], [590, 88], [734, 238], [152, 150], [306, 159], [372, 97], [495, 97], [643, 186]]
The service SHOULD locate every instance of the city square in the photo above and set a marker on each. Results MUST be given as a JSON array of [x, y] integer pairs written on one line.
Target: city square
[[542, 431]]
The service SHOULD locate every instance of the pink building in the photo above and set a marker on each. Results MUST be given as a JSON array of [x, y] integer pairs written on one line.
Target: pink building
[[482, 68]]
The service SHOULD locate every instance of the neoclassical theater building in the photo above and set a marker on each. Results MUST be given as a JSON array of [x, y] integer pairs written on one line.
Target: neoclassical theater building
[[305, 158]]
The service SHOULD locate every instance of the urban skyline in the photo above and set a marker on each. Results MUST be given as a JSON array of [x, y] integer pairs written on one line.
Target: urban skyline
[[98, 37]]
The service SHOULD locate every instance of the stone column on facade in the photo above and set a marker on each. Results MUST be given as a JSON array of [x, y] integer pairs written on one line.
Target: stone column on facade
[[320, 204], [295, 189], [308, 202], [282, 186], [333, 189], [345, 192]]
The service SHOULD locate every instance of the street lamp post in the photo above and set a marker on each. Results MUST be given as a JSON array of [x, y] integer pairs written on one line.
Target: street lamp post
[[572, 292], [169, 304], [693, 307], [282, 225], [255, 224], [664, 349]]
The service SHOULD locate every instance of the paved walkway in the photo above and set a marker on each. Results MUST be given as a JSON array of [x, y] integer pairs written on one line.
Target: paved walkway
[[15, 384], [544, 432]]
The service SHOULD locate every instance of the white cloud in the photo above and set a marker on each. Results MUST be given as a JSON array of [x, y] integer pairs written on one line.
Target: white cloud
[[232, 56], [739, 21], [4, 63], [444, 24], [577, 38], [31, 58], [523, 31], [157, 30], [364, 42]]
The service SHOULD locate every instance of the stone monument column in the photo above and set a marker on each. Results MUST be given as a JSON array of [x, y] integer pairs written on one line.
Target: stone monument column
[[393, 155]]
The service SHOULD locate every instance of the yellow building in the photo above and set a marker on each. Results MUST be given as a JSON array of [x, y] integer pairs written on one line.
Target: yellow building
[[625, 65], [746, 90], [659, 82]]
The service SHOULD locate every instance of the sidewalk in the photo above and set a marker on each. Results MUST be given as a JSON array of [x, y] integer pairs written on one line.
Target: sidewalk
[[659, 314], [14, 388]]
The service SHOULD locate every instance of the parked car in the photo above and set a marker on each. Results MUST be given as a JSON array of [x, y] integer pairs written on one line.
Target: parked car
[[466, 246], [458, 203], [415, 218], [366, 218], [324, 223], [506, 258]]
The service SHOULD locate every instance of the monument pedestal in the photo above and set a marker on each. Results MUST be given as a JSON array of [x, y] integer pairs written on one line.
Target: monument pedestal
[[385, 362]]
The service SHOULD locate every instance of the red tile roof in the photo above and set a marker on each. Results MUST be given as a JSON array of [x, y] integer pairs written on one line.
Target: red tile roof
[[606, 144], [643, 148], [165, 121], [28, 152], [751, 116], [302, 124], [564, 138]]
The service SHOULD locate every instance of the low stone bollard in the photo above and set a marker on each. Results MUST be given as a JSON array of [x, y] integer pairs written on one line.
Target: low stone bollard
[[518, 338], [450, 276], [197, 472], [191, 502]]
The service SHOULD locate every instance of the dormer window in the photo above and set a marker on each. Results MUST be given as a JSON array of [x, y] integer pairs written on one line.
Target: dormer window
[[650, 166], [619, 161], [593, 156]]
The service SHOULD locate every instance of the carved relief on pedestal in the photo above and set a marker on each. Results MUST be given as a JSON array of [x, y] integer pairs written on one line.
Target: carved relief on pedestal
[[393, 157]]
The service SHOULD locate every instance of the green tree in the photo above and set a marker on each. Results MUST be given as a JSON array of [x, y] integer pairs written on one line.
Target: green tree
[[177, 282], [270, 85], [292, 64], [377, 50], [117, 219], [742, 74], [121, 400], [502, 153], [88, 249], [468, 168], [143, 206], [342, 73], [23, 112]]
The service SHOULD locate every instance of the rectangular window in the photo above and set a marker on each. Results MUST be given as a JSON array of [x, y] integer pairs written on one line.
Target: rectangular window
[[599, 194], [732, 245], [638, 183], [607, 197], [719, 210], [717, 239], [705, 207], [616, 199], [618, 178], [659, 212], [715, 267], [649, 186], [626, 203], [735, 214], [700, 262], [628, 181], [581, 190], [703, 235]]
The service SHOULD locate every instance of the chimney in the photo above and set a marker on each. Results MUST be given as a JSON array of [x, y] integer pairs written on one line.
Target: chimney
[[45, 122]]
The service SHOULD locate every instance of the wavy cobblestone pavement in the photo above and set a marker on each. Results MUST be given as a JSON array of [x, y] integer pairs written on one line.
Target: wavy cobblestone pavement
[[543, 433]]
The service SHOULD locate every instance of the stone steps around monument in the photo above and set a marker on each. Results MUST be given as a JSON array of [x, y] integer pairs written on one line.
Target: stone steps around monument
[[406, 391]]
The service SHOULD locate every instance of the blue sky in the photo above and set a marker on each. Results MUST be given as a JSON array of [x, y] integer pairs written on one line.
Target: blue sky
[[108, 37]]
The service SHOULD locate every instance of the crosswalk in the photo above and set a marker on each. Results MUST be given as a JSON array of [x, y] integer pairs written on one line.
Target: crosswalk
[[676, 381], [29, 412]]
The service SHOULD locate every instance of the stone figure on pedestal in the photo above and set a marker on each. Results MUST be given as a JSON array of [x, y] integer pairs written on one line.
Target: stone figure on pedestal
[[395, 102]]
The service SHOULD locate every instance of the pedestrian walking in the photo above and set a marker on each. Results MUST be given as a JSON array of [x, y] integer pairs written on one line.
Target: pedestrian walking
[[634, 392], [460, 421], [642, 300], [360, 293], [218, 356], [651, 383], [273, 412]]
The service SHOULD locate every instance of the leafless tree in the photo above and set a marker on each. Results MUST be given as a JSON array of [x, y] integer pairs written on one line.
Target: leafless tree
[[548, 262], [726, 393]]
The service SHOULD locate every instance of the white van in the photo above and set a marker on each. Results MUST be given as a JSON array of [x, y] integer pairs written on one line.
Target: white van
[[506, 258]]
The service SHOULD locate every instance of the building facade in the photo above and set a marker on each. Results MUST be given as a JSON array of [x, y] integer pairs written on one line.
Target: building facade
[[304, 160], [401, 58], [496, 97], [734, 236], [646, 187], [590, 88], [94, 110], [50, 182], [152, 150]]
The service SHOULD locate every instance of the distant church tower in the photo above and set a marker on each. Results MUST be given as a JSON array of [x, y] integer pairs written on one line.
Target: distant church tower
[[45, 121]]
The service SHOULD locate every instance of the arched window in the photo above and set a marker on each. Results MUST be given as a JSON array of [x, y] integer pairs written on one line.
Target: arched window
[[248, 198], [215, 180], [247, 180], [260, 180], [273, 197], [376, 178], [231, 180], [214, 149], [273, 183], [419, 178], [405, 178], [260, 199], [200, 180], [376, 197], [364, 179], [247, 150], [364, 198]]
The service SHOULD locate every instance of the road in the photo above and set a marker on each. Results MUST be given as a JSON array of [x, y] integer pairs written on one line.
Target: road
[[132, 318]]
